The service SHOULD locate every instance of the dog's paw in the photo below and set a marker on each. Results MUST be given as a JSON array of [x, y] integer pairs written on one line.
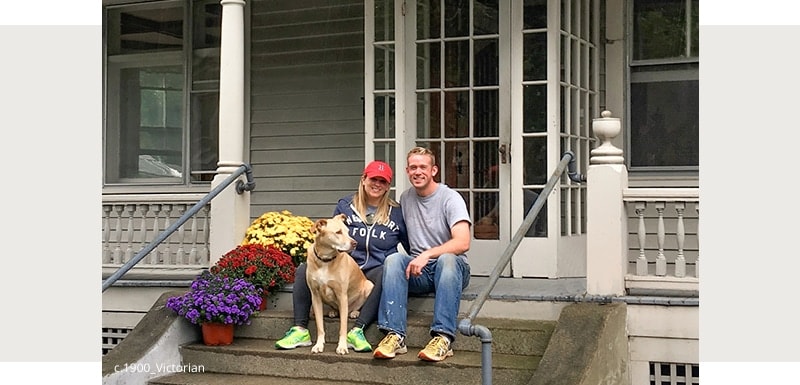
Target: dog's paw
[[354, 314], [333, 314], [319, 348], [342, 349]]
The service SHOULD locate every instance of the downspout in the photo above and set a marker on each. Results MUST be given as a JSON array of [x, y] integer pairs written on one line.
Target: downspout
[[467, 329]]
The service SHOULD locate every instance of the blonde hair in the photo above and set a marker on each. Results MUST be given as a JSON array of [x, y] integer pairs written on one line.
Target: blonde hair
[[422, 151], [360, 203]]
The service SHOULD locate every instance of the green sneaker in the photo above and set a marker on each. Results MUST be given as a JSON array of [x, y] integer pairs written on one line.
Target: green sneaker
[[356, 340], [296, 336]]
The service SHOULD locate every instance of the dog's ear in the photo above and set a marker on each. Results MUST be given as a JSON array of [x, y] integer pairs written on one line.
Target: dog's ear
[[320, 223], [341, 217]]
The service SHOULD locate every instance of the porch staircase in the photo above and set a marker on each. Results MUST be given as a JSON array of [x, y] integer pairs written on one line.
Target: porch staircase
[[539, 336], [518, 346]]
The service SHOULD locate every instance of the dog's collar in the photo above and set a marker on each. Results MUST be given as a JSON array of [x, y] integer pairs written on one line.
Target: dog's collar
[[317, 254]]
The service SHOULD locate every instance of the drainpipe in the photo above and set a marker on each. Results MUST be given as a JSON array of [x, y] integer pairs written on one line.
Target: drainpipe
[[465, 328]]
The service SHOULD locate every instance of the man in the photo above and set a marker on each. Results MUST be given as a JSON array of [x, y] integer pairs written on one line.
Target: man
[[438, 225]]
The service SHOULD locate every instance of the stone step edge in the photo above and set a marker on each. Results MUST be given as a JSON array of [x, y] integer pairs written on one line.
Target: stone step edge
[[266, 349]]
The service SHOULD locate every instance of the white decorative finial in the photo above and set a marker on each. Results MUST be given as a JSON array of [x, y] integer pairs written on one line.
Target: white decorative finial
[[606, 129]]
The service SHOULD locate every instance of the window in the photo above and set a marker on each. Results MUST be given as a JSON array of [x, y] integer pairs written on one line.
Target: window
[[664, 85], [162, 92]]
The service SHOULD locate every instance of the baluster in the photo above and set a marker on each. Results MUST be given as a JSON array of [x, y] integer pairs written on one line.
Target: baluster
[[143, 209], [153, 257], [179, 254], [106, 233], [204, 252], [680, 260], [167, 255], [697, 262], [661, 261], [641, 262], [193, 251], [117, 250], [131, 209]]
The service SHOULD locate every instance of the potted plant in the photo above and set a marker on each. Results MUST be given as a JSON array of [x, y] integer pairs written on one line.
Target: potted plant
[[217, 303], [266, 267], [285, 231]]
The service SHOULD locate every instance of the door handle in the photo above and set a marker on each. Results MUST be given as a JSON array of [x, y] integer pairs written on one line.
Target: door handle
[[503, 150]]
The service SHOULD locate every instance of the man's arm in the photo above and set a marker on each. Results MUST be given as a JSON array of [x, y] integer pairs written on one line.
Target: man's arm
[[458, 244]]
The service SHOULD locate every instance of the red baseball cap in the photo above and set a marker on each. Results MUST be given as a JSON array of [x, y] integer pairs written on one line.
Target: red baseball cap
[[377, 168]]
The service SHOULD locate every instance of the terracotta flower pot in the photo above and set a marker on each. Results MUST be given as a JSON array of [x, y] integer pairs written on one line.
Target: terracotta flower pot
[[217, 333], [264, 297]]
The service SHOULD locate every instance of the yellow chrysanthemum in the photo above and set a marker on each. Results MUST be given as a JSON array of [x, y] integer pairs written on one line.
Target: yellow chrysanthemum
[[285, 231]]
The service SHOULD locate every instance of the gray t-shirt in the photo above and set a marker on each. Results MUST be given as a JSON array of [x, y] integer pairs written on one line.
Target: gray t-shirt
[[429, 219]]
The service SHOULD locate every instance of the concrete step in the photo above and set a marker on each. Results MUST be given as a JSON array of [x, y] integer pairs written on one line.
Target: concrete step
[[233, 379], [525, 320], [509, 336], [257, 357]]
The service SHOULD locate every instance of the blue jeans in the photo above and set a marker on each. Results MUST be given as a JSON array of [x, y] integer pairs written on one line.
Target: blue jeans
[[445, 276]]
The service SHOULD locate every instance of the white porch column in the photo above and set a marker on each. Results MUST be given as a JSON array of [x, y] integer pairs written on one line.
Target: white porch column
[[607, 232], [230, 212]]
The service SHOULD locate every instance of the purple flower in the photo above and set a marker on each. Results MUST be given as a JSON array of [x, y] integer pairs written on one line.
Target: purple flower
[[214, 298]]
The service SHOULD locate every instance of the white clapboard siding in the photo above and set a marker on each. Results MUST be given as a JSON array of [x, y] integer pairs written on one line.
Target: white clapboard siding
[[306, 106]]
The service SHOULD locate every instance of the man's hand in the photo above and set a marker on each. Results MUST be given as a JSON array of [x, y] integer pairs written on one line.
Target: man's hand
[[415, 267]]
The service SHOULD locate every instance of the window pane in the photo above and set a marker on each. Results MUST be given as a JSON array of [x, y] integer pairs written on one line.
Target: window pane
[[539, 226], [428, 18], [534, 14], [204, 136], [534, 101], [456, 116], [207, 23], [456, 164], [428, 115], [456, 61], [535, 160], [534, 62], [486, 215], [154, 28], [485, 16], [384, 20], [150, 125], [456, 18], [664, 123], [428, 65], [486, 63], [486, 114], [659, 29], [695, 28], [384, 116], [384, 66]]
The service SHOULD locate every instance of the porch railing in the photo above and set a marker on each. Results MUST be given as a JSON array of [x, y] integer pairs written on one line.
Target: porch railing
[[663, 240], [163, 254], [130, 222], [465, 326]]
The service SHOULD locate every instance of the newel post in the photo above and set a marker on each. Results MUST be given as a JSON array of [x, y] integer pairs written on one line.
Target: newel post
[[230, 212], [607, 233]]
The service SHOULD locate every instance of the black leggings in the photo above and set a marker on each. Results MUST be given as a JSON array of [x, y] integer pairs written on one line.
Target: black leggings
[[301, 297]]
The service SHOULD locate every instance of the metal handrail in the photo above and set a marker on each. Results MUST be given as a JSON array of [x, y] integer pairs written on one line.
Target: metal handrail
[[241, 187], [465, 326]]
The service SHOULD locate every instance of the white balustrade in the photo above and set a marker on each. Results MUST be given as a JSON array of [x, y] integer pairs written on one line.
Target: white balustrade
[[131, 222], [666, 236]]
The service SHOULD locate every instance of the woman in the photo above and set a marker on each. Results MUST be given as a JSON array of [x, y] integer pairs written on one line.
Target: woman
[[376, 223]]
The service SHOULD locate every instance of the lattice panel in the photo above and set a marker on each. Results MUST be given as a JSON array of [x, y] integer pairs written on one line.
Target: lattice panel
[[662, 373], [112, 337]]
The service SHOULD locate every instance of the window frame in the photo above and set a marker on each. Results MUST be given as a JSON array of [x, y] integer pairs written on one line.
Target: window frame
[[677, 73], [112, 67]]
